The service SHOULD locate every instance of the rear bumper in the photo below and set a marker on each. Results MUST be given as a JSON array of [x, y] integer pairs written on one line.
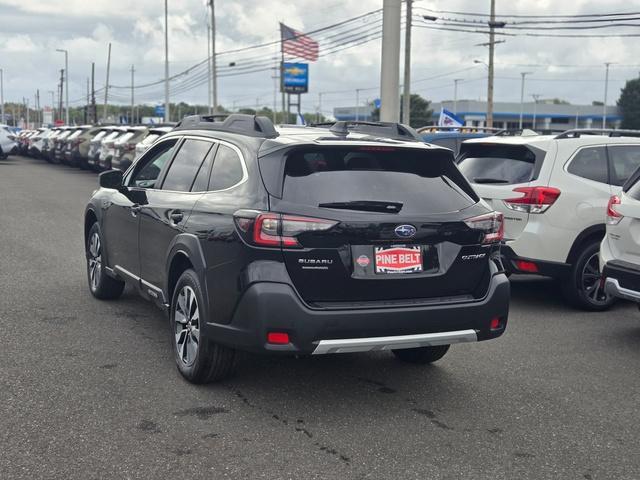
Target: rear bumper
[[622, 280], [512, 263], [275, 307]]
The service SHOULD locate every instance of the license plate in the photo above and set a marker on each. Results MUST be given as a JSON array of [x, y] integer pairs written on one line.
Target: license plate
[[398, 259]]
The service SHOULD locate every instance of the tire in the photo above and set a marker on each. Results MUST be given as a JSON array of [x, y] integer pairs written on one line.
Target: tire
[[101, 285], [421, 355], [197, 357], [584, 288]]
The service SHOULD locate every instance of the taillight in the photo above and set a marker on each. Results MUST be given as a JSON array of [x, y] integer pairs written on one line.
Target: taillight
[[277, 230], [534, 200], [492, 224], [613, 217]]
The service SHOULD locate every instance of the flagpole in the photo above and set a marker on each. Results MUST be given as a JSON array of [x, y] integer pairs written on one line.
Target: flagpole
[[282, 74]]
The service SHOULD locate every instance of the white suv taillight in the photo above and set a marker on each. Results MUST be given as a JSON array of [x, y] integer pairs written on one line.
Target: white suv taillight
[[492, 224], [613, 217], [534, 200], [277, 230]]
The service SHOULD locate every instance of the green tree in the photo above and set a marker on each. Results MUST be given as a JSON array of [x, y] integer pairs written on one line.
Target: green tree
[[629, 103], [420, 114]]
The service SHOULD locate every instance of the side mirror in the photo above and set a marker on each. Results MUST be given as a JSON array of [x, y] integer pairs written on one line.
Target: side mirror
[[111, 179]]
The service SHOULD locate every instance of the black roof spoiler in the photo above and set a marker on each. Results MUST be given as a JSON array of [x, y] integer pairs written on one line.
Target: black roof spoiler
[[244, 124]]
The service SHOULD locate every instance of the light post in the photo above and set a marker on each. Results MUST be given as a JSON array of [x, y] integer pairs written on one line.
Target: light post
[[535, 96], [524, 74], [606, 88], [66, 83], [455, 95]]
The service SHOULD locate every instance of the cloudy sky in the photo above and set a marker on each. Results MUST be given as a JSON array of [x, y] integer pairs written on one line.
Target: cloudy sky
[[31, 30]]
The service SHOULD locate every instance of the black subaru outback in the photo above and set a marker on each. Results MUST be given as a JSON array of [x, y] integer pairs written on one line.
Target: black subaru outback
[[299, 240]]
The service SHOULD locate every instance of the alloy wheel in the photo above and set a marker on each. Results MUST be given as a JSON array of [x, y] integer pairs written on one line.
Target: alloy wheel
[[591, 282], [95, 260], [186, 316]]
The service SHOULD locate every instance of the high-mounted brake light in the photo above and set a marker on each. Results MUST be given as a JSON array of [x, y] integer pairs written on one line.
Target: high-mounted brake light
[[492, 224], [534, 200], [277, 230], [613, 217]]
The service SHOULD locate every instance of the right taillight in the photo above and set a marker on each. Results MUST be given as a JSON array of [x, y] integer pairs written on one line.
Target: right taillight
[[613, 217], [492, 224], [277, 230], [534, 200]]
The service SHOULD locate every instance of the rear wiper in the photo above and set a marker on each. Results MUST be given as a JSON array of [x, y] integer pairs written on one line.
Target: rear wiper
[[366, 206], [489, 180]]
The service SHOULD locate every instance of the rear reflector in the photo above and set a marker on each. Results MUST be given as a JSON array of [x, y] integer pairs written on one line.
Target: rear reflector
[[525, 266], [534, 200], [278, 338], [613, 217], [495, 323]]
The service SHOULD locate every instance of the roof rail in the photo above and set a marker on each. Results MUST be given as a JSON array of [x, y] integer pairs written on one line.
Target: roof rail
[[464, 128], [396, 131], [608, 132], [250, 125]]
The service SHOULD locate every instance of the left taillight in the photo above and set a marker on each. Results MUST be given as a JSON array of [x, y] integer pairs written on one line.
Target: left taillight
[[613, 217], [491, 224], [277, 230]]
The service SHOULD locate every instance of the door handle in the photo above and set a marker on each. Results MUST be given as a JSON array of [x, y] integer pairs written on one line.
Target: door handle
[[135, 209], [176, 216]]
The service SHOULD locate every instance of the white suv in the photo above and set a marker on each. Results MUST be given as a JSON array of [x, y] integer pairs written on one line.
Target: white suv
[[553, 191], [620, 249]]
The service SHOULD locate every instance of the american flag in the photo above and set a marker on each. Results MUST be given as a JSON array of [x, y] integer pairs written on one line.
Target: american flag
[[298, 44]]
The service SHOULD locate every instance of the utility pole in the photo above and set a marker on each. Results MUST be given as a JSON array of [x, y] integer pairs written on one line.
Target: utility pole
[[94, 108], [523, 74], [86, 109], [132, 120], [66, 84], [606, 89], [390, 61], [492, 39], [53, 105], [214, 68], [167, 115], [210, 76], [357, 104], [39, 115], [319, 107], [2, 96], [455, 94], [406, 95], [106, 86]]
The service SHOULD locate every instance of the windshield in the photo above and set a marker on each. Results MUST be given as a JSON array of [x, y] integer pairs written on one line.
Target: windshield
[[124, 138], [99, 136], [75, 134], [411, 182]]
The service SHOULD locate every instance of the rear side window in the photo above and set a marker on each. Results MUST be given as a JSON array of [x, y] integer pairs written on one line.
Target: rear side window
[[590, 163], [227, 169], [625, 159], [418, 182], [499, 164], [185, 165]]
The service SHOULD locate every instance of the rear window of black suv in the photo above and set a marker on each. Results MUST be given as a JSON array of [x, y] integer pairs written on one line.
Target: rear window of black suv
[[386, 179]]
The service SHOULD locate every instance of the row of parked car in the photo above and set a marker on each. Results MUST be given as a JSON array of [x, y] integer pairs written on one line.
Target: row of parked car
[[96, 147]]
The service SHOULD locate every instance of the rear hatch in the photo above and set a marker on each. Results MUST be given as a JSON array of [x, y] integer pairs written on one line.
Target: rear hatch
[[501, 173], [370, 224]]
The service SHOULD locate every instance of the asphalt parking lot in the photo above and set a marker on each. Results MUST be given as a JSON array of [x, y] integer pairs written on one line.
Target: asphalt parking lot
[[90, 390]]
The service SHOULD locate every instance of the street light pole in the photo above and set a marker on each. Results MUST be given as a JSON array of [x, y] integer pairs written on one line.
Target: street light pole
[[406, 95], [491, 54], [357, 104], [524, 74], [66, 83], [167, 116], [606, 88], [214, 68]]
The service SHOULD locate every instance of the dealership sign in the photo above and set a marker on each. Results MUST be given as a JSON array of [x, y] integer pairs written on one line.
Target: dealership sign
[[295, 77]]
